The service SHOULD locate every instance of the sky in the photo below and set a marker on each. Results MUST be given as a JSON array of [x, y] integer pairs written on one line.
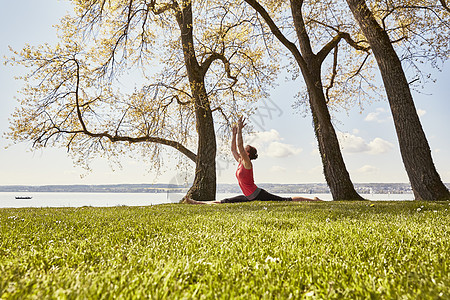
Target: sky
[[285, 140]]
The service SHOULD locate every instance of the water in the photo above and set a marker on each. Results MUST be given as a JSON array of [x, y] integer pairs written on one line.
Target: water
[[56, 199]]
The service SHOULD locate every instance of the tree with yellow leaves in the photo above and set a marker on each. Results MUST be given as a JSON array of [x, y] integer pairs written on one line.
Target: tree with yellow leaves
[[310, 62], [421, 29], [139, 75]]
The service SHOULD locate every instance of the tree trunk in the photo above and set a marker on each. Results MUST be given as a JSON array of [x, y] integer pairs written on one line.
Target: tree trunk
[[425, 181], [204, 185], [335, 171]]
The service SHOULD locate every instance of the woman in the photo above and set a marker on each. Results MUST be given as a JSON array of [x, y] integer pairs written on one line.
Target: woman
[[244, 174]]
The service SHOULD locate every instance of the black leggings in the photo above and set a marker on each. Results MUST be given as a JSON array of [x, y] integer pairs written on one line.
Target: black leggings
[[262, 196]]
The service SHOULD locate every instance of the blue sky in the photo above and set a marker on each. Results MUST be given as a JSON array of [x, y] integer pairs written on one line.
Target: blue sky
[[286, 143]]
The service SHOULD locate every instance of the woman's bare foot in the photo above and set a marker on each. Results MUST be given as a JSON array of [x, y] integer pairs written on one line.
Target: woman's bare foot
[[188, 200], [305, 199]]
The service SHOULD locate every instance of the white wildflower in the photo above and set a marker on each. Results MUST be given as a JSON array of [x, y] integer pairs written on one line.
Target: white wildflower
[[272, 259]]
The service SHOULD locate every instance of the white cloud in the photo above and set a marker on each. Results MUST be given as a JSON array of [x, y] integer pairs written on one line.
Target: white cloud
[[269, 143], [378, 116], [260, 138], [379, 146], [315, 152], [373, 116], [316, 170], [354, 144], [277, 149], [421, 112], [367, 169], [277, 169]]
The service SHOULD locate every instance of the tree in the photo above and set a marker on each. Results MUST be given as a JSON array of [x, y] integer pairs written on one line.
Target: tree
[[208, 64], [310, 64], [414, 148]]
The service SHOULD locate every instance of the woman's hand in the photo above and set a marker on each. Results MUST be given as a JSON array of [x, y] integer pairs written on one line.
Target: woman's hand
[[235, 130], [241, 122]]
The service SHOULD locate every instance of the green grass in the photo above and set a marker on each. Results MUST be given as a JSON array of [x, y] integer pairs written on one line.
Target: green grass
[[330, 250]]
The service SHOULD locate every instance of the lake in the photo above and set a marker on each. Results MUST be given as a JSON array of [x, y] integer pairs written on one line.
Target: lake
[[56, 199]]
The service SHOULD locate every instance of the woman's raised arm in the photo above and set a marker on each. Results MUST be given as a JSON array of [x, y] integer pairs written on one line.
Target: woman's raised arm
[[245, 160]]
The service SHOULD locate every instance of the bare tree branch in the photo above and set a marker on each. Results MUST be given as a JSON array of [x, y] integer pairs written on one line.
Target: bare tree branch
[[444, 5], [217, 56], [117, 138], [333, 76], [277, 32], [323, 53], [223, 114], [360, 67]]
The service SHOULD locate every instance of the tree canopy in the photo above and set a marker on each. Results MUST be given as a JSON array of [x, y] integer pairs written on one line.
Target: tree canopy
[[120, 79], [415, 150]]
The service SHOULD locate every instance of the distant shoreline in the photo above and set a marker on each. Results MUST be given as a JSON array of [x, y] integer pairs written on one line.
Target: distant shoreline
[[307, 188]]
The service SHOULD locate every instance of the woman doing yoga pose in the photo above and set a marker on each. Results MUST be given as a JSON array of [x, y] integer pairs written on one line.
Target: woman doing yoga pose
[[244, 174]]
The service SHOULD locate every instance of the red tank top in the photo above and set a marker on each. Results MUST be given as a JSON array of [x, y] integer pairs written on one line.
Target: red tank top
[[245, 180]]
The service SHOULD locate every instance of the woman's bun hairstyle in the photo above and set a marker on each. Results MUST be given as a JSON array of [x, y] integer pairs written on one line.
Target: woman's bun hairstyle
[[252, 152]]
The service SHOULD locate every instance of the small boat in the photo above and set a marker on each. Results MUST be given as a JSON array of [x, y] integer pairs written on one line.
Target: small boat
[[23, 198]]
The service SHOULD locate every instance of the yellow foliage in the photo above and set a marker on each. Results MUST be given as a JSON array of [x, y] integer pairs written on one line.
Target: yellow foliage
[[119, 73]]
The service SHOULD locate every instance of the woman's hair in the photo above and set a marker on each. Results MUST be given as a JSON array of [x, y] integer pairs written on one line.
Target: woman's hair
[[252, 152]]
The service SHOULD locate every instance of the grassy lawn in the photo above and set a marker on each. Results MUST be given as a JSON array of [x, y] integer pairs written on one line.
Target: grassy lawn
[[330, 250]]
